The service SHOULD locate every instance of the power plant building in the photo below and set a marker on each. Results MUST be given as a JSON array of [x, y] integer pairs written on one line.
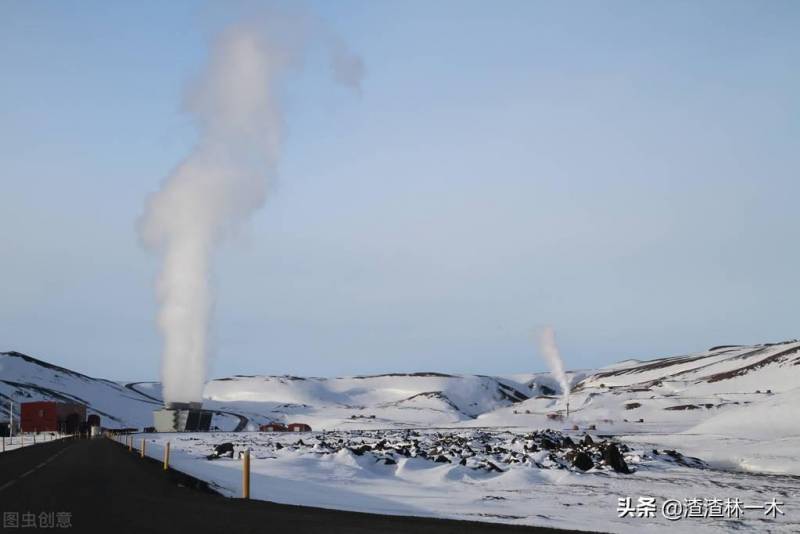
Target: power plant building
[[51, 416], [182, 417]]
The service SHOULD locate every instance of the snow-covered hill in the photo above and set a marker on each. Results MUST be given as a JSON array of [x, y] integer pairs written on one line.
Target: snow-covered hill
[[744, 394]]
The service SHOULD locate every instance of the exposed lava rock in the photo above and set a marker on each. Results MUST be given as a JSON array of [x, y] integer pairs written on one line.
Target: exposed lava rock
[[688, 461], [490, 452], [223, 449], [683, 407], [613, 458], [548, 445], [582, 461]]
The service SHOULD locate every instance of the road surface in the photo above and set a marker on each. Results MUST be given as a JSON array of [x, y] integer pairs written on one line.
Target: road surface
[[97, 485]]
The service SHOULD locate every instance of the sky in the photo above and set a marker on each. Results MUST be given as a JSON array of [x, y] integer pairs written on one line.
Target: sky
[[627, 172]]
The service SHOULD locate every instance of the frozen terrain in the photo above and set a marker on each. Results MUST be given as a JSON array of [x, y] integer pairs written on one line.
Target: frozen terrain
[[10, 443], [476, 475], [736, 408]]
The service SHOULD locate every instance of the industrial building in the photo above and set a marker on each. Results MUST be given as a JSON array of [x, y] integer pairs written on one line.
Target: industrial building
[[51, 416], [272, 427], [182, 417]]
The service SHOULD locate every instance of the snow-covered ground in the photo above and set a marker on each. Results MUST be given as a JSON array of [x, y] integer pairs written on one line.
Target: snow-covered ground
[[737, 408], [27, 440], [317, 470]]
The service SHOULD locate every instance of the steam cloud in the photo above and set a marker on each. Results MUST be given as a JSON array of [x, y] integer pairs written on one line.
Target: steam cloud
[[223, 181], [549, 351]]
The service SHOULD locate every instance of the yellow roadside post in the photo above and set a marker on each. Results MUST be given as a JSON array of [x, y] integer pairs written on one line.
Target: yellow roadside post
[[144, 444], [166, 457], [246, 474]]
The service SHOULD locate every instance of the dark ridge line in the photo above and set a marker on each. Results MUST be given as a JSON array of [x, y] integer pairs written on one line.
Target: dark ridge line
[[131, 386], [778, 356], [417, 374]]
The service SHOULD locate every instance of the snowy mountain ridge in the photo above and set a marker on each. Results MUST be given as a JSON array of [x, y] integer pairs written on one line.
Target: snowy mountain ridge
[[671, 394]]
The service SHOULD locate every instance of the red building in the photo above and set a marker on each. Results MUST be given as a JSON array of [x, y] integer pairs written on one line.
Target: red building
[[299, 427], [50, 416], [272, 427]]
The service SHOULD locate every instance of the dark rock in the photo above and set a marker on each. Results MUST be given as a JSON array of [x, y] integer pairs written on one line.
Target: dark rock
[[360, 450], [489, 466], [613, 458], [587, 440], [582, 461], [547, 445], [223, 449]]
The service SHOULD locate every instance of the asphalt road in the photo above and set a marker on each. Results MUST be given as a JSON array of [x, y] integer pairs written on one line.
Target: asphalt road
[[97, 485]]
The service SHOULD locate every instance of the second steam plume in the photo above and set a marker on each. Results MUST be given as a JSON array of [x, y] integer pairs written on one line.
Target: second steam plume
[[238, 115], [549, 351]]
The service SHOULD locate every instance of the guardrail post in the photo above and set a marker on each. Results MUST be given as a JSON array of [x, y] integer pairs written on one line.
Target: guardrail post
[[130, 443], [166, 457], [246, 474], [144, 444]]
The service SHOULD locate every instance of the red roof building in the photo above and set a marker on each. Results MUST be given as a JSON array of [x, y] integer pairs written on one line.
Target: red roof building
[[50, 416], [299, 427]]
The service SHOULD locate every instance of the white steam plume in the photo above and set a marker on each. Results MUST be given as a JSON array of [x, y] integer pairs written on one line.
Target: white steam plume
[[222, 182], [549, 351]]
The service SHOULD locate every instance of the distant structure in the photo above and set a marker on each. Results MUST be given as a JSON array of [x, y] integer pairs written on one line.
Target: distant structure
[[51, 416], [272, 427], [182, 417], [298, 427]]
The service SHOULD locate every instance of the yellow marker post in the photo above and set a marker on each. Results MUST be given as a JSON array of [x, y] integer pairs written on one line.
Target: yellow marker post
[[166, 457], [144, 444], [130, 443], [246, 474]]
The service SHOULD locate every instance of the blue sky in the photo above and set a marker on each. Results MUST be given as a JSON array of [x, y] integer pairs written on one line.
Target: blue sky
[[624, 171]]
